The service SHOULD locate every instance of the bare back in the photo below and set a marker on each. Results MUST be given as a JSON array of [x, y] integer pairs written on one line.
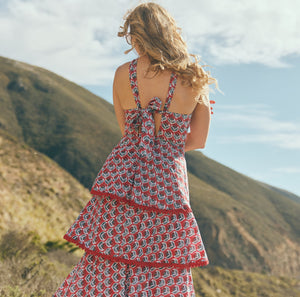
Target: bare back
[[183, 100], [150, 85]]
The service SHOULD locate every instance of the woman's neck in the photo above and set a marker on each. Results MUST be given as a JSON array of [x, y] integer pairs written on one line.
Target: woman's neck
[[144, 59]]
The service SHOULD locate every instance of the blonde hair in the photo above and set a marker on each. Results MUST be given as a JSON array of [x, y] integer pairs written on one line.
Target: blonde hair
[[156, 34]]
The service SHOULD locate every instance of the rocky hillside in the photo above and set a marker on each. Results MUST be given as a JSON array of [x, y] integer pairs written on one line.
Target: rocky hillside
[[246, 224]]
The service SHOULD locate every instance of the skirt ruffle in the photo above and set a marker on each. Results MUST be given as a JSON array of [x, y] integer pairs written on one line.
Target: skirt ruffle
[[109, 228], [95, 276]]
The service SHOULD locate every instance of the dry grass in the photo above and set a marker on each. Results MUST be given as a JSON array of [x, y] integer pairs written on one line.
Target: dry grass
[[30, 268]]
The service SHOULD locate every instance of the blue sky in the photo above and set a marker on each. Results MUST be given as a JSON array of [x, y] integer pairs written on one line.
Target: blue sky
[[252, 46]]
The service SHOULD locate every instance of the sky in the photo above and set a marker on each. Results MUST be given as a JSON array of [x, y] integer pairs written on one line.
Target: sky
[[252, 47]]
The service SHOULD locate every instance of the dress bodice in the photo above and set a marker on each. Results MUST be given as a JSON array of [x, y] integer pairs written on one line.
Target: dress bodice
[[139, 122]]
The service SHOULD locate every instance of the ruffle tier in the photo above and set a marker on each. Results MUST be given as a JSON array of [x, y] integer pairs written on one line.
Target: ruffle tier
[[95, 276], [159, 182], [111, 228]]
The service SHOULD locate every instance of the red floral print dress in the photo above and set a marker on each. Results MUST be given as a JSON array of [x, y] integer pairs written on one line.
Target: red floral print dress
[[138, 231]]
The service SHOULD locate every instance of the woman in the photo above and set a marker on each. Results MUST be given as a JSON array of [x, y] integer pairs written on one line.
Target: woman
[[138, 230], [153, 33]]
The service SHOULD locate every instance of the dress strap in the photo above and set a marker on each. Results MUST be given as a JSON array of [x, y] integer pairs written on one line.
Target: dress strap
[[172, 85], [133, 82]]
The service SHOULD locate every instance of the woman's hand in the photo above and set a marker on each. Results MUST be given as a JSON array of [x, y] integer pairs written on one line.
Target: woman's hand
[[211, 102]]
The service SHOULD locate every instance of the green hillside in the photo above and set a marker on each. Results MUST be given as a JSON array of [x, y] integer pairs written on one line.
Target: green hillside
[[39, 200], [245, 224], [57, 117]]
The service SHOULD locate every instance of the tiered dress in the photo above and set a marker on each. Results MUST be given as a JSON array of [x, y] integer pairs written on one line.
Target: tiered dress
[[138, 231]]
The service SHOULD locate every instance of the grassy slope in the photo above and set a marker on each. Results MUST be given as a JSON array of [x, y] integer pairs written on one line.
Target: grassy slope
[[220, 282], [38, 202], [36, 194], [244, 223]]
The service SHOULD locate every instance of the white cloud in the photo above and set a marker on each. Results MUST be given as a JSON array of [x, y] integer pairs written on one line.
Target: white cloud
[[78, 39], [246, 31], [283, 140], [291, 170], [259, 125]]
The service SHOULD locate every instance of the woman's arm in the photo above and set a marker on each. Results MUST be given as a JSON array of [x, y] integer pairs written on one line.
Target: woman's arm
[[199, 127], [116, 100]]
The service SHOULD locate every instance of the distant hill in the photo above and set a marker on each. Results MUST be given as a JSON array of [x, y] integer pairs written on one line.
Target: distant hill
[[282, 191], [245, 224], [39, 200]]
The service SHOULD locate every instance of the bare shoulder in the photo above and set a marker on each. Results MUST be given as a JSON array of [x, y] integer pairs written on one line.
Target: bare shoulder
[[121, 79], [122, 70], [187, 91]]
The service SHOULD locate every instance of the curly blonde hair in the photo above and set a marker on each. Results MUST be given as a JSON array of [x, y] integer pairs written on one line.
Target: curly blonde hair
[[156, 34]]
